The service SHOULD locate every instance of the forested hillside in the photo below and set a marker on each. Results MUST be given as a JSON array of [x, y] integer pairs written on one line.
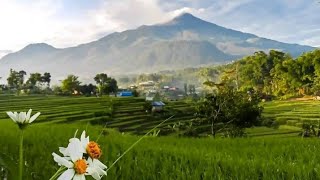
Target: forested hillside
[[276, 73]]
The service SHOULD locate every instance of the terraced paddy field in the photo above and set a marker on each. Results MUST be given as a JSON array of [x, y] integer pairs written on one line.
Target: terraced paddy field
[[124, 114], [293, 113], [266, 153], [127, 114]]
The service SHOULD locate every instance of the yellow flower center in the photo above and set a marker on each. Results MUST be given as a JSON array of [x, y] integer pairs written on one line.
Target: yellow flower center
[[80, 166], [93, 150]]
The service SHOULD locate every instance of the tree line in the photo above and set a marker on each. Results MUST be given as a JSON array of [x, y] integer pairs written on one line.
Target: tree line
[[276, 74], [38, 83]]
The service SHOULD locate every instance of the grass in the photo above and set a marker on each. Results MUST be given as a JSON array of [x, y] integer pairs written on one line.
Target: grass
[[124, 114], [265, 154], [171, 157], [293, 113]]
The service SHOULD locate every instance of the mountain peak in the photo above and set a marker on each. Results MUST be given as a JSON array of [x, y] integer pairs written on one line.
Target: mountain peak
[[38, 47], [41, 45], [186, 17]]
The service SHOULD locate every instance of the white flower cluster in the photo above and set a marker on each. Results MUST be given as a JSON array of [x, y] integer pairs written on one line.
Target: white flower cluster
[[80, 158]]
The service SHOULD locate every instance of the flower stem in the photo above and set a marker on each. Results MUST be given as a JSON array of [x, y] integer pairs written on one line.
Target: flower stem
[[21, 162], [58, 173]]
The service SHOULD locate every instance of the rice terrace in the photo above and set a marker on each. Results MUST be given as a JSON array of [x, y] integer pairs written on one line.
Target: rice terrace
[[160, 90], [266, 153]]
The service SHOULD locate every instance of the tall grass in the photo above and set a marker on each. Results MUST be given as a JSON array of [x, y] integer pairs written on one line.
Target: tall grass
[[265, 154], [170, 157]]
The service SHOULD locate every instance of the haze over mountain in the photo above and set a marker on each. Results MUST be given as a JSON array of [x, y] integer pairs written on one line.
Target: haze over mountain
[[185, 41]]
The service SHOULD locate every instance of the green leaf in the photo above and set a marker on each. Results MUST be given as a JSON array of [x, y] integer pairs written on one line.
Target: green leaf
[[9, 165]]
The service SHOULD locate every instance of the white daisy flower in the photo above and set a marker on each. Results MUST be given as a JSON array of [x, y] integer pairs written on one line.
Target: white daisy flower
[[92, 149], [77, 166], [23, 117]]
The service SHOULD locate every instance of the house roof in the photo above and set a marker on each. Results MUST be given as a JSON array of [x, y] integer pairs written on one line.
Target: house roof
[[158, 103], [126, 93]]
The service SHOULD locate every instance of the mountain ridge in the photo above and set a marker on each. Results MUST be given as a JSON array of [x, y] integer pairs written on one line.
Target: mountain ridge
[[184, 41]]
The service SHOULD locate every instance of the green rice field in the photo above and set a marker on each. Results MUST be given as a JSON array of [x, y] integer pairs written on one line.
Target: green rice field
[[266, 153], [293, 113]]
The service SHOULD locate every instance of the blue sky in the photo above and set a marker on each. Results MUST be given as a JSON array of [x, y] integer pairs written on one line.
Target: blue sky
[[64, 23]]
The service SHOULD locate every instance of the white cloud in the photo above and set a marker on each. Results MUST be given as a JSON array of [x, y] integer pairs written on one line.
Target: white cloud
[[223, 7], [315, 41], [41, 20], [25, 23]]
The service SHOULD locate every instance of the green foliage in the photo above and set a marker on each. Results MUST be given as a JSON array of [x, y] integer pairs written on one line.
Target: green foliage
[[273, 157], [169, 157], [230, 111], [147, 106], [276, 73], [36, 81], [106, 84], [16, 79], [309, 129], [70, 84], [135, 93], [88, 89]]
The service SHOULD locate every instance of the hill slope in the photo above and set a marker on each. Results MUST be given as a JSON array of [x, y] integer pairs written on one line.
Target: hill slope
[[185, 41]]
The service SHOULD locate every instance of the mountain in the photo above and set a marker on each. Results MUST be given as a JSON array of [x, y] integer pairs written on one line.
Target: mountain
[[4, 52], [185, 41]]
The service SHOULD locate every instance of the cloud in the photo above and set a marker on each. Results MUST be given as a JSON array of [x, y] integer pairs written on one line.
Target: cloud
[[52, 22], [25, 23], [41, 21], [292, 21]]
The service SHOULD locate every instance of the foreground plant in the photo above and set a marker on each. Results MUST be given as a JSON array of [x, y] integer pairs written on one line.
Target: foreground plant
[[80, 158], [22, 119]]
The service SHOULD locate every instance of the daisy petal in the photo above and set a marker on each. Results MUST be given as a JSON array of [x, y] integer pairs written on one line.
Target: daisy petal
[[67, 175], [29, 114], [75, 149], [83, 135], [84, 140], [22, 117], [62, 161], [98, 163], [92, 172], [79, 177], [12, 116], [63, 151], [34, 117], [100, 171]]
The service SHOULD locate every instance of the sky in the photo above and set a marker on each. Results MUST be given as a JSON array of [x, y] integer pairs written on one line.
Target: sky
[[65, 23]]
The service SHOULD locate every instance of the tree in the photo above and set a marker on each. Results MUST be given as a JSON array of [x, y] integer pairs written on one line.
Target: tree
[[229, 111], [106, 85], [46, 78], [33, 80], [88, 90], [21, 75], [70, 84], [113, 87], [192, 89], [185, 88], [102, 82], [16, 79], [13, 79]]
